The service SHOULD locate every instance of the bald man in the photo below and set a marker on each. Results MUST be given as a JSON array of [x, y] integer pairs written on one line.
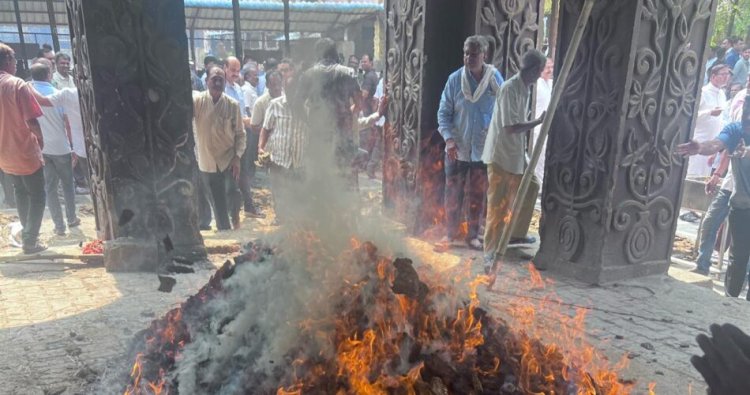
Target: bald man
[[232, 68]]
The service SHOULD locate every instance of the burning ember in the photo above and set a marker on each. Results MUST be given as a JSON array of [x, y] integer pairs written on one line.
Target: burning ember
[[258, 327]]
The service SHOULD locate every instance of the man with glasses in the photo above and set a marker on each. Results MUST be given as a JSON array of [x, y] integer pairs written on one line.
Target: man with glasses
[[710, 120]]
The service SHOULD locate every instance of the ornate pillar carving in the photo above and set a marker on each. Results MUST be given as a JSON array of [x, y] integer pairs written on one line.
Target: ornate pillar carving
[[423, 46], [612, 186], [512, 28], [132, 71]]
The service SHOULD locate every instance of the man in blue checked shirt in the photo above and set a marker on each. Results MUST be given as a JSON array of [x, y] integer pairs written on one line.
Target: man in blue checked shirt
[[464, 116]]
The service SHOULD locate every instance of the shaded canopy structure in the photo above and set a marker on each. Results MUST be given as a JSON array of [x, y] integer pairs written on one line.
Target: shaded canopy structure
[[257, 15]]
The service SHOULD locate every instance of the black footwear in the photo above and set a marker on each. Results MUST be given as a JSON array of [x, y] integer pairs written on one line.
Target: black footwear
[[690, 217], [36, 248], [75, 223], [204, 227], [59, 232], [522, 240]]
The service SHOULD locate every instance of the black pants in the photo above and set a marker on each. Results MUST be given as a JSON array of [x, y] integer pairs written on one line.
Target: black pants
[[9, 197], [81, 172], [458, 176], [739, 251], [30, 199], [204, 203], [226, 196], [284, 187], [248, 169]]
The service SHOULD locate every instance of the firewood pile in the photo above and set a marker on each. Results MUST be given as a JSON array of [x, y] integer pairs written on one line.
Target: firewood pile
[[391, 333]]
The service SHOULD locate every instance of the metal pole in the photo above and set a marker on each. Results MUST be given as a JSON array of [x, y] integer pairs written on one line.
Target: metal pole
[[556, 94], [237, 30], [24, 64], [287, 27], [552, 34], [53, 26]]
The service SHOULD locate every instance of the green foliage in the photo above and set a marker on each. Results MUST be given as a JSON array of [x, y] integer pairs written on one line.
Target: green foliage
[[548, 6], [724, 16]]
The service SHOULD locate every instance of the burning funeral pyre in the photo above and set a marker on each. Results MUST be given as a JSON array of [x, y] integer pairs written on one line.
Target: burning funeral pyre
[[279, 322]]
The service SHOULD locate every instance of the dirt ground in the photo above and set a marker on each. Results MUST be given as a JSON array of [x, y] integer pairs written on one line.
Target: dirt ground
[[63, 323]]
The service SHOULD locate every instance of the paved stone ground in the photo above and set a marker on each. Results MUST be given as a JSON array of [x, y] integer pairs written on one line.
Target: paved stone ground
[[62, 323]]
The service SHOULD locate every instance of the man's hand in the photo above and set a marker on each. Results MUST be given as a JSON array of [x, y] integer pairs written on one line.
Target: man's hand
[[726, 363], [74, 158], [540, 120], [688, 149], [452, 149], [740, 151], [716, 112], [711, 184], [235, 165]]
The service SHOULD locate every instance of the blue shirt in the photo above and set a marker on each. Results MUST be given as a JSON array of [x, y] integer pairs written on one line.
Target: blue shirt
[[235, 92], [463, 121], [731, 136], [732, 57], [261, 83]]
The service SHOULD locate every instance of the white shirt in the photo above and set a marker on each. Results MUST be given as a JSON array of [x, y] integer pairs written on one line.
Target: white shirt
[[67, 99], [543, 97], [286, 142], [379, 92], [707, 127], [508, 150], [53, 124], [251, 96], [61, 82]]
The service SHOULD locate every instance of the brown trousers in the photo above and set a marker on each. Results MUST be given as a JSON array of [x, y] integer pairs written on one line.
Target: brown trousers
[[501, 191]]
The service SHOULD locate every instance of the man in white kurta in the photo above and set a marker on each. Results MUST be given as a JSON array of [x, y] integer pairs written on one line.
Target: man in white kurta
[[543, 97], [710, 120]]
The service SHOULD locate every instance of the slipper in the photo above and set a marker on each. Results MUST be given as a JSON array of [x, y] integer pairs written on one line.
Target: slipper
[[690, 217], [522, 240], [475, 244]]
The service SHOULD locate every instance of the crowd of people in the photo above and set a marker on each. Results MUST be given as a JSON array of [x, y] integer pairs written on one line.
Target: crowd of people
[[245, 114], [248, 114], [42, 149], [718, 158]]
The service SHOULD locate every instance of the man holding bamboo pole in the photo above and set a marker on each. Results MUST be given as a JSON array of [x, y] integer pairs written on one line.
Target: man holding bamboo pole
[[505, 151]]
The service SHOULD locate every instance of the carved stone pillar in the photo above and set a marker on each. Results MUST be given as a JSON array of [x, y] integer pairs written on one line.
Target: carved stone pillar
[[612, 186], [512, 28], [134, 85], [423, 43]]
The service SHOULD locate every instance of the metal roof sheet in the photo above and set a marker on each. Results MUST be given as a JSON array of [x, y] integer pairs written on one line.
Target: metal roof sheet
[[255, 15]]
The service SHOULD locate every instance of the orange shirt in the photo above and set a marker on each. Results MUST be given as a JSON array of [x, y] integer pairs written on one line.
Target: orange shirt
[[20, 153]]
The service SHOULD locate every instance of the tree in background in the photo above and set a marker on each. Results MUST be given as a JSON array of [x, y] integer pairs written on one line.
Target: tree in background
[[732, 19]]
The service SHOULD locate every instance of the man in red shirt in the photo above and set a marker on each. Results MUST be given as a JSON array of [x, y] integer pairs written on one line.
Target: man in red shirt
[[20, 149]]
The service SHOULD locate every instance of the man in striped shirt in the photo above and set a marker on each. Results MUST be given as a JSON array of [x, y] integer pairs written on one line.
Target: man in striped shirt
[[282, 137]]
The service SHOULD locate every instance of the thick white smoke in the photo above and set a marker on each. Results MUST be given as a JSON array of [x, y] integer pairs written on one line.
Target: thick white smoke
[[259, 321]]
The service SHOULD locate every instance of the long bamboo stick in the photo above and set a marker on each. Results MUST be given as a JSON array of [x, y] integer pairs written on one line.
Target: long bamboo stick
[[557, 91], [51, 257]]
